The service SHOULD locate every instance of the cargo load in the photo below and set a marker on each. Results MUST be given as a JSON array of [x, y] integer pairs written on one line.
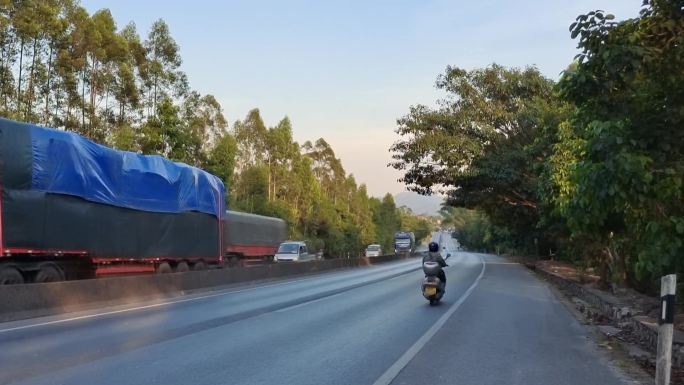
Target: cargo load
[[64, 193]]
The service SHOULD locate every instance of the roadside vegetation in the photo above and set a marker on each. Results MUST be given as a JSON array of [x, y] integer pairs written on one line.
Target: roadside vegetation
[[589, 168], [65, 68]]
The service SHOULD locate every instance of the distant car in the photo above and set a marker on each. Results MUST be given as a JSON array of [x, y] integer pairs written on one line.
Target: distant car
[[293, 251], [373, 251]]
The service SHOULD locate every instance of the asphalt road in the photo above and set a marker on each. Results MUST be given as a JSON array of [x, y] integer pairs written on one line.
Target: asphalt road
[[497, 324]]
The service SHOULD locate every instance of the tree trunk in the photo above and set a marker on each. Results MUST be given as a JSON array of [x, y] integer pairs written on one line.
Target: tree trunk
[[57, 104], [106, 114], [617, 269], [149, 105], [154, 97], [275, 188], [270, 177], [2, 72], [93, 91], [83, 77], [30, 90], [21, 61], [47, 89]]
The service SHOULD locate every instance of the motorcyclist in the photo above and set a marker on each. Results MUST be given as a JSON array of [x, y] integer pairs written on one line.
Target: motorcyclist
[[434, 255]]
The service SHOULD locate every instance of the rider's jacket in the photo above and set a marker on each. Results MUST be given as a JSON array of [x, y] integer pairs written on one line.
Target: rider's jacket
[[435, 256]]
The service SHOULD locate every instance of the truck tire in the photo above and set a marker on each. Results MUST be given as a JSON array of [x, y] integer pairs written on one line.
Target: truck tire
[[10, 276], [182, 267], [49, 273], [199, 265], [234, 261], [164, 268]]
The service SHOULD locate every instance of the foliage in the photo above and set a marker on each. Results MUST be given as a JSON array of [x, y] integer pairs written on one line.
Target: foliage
[[419, 225], [387, 220], [484, 144], [623, 186], [64, 68], [475, 232]]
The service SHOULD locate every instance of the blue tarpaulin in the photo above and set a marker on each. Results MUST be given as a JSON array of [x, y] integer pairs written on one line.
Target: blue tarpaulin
[[66, 163]]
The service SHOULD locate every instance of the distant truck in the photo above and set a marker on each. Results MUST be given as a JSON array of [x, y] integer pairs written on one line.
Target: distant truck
[[251, 239], [404, 243]]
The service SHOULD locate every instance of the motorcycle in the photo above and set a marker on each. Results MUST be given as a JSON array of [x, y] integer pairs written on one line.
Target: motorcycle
[[432, 287]]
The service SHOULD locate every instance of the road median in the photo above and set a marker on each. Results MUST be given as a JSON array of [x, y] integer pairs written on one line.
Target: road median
[[35, 300]]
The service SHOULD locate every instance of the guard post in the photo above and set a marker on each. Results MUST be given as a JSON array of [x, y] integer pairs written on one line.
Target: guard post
[[668, 286]]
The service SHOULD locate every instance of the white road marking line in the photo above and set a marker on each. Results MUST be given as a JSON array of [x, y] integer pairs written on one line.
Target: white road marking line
[[96, 315], [394, 370]]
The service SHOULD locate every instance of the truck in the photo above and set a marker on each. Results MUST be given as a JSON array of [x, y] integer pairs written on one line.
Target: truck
[[250, 239], [74, 209], [404, 243]]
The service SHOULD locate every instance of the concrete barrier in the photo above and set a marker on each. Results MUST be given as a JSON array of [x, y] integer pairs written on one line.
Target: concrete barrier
[[34, 300]]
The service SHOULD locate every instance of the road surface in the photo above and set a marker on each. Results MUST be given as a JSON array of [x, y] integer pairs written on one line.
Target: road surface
[[496, 325]]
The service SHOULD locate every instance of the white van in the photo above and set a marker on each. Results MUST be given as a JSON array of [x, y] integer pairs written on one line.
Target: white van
[[373, 250], [293, 251]]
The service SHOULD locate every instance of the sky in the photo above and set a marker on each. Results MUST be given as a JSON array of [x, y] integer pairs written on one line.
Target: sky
[[347, 70]]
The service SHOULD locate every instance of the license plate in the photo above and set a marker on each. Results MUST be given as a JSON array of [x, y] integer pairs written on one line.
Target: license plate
[[430, 290]]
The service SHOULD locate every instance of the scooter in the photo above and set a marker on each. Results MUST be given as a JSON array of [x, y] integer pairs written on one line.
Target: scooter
[[432, 287]]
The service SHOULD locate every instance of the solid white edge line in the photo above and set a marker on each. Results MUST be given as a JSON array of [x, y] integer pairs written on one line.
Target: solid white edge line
[[393, 371], [96, 315]]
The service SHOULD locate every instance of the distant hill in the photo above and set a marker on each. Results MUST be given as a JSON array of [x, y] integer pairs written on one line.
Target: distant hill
[[419, 204]]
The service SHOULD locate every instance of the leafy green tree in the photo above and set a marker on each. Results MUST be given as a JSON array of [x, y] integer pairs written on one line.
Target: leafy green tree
[[387, 221], [221, 159], [280, 150], [252, 192], [162, 63], [421, 227], [124, 138], [250, 135], [129, 74], [483, 144], [619, 169]]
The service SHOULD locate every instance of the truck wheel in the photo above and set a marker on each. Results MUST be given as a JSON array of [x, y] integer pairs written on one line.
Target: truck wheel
[[164, 268], [234, 261], [10, 276], [199, 265], [182, 267], [49, 273]]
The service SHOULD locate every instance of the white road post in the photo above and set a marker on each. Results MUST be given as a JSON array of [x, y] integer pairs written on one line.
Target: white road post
[[668, 285]]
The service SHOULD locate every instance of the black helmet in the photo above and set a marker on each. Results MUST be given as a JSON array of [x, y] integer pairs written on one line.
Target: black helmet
[[433, 247]]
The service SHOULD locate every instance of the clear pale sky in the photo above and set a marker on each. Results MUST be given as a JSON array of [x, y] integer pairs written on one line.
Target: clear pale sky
[[346, 70]]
